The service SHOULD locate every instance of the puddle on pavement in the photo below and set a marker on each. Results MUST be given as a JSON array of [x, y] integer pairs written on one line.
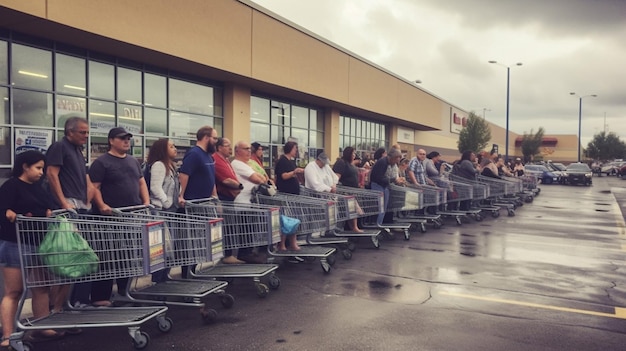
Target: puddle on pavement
[[605, 191], [599, 210]]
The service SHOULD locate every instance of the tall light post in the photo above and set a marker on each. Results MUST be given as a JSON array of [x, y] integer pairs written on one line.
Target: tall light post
[[508, 79], [580, 117], [485, 110]]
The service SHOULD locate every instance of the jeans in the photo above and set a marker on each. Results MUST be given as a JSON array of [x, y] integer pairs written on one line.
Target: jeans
[[381, 216]]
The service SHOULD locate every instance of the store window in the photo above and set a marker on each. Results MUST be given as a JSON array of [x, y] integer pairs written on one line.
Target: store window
[[129, 86], [101, 80], [32, 108], [130, 118], [156, 121], [185, 125], [5, 146], [5, 106], [101, 117], [31, 67], [365, 136], [69, 106], [190, 97], [70, 75], [155, 90], [4, 62]]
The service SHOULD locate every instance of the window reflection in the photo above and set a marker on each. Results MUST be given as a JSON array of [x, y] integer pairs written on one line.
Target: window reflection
[[5, 146], [156, 121], [259, 110], [5, 106], [101, 117], [185, 125], [32, 108], [130, 118], [101, 80], [155, 92], [69, 106], [128, 86], [365, 136], [4, 62], [31, 67], [70, 75], [189, 97]]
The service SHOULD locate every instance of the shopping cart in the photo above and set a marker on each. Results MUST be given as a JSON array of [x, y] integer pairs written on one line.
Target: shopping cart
[[317, 216], [403, 199], [497, 190], [245, 225], [431, 198], [188, 241], [123, 249], [370, 202], [348, 208], [480, 193], [530, 184]]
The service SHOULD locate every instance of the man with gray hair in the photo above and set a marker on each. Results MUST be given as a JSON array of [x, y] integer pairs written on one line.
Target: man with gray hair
[[379, 179]]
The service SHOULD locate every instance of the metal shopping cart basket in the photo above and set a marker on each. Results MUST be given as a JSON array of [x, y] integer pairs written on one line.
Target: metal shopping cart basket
[[497, 190], [187, 241], [348, 208], [245, 225], [404, 199], [316, 216], [431, 198], [370, 203], [122, 249]]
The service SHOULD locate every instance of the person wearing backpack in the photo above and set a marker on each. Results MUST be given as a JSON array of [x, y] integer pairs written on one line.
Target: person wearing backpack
[[161, 175]]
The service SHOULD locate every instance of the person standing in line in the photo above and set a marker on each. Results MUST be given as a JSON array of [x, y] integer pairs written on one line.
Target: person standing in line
[[119, 182], [71, 188], [287, 182], [22, 194], [417, 171], [163, 183], [256, 161], [250, 178], [197, 173], [379, 180], [227, 186]]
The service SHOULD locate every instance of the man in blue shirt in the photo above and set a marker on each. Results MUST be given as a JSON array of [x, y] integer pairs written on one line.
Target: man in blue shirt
[[197, 173], [417, 171]]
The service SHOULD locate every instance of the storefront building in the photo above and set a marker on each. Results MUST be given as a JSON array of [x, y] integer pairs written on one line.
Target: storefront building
[[160, 69]]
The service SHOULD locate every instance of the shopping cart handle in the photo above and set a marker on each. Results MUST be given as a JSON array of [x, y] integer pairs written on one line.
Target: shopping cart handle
[[204, 200], [131, 208], [63, 211]]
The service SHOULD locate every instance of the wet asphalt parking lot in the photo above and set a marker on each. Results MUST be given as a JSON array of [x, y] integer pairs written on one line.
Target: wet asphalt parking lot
[[550, 278]]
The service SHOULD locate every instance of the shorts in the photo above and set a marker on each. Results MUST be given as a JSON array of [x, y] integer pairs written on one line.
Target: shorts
[[10, 254]]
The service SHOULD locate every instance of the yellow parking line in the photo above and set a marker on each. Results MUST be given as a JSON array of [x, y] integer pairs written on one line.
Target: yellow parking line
[[619, 312]]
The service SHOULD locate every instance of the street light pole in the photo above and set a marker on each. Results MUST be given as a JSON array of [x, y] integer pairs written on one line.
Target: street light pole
[[508, 79], [580, 118]]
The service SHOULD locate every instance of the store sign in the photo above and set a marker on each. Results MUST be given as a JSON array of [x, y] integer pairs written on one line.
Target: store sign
[[406, 135], [458, 121], [32, 139]]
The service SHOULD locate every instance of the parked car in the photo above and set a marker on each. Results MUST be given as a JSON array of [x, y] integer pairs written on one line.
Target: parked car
[[622, 171], [543, 173], [560, 172], [579, 173]]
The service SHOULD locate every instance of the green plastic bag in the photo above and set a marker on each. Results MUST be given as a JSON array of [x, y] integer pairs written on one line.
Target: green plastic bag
[[65, 252]]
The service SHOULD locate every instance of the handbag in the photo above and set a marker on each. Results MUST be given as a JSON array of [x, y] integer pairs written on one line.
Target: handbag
[[267, 189], [65, 252], [288, 225]]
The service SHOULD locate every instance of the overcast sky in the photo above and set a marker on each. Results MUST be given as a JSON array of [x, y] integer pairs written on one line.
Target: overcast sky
[[565, 46]]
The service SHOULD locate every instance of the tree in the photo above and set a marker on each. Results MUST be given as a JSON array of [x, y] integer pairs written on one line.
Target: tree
[[605, 147], [475, 136], [531, 144]]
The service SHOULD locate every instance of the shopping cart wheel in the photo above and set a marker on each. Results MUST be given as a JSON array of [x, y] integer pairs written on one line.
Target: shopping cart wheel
[[208, 315], [331, 260], [141, 340], [347, 254], [495, 213], [227, 300], [388, 234], [375, 241], [262, 290], [511, 213], [407, 234], [351, 246], [529, 199], [274, 282], [437, 224], [165, 324], [326, 267], [478, 217], [423, 227]]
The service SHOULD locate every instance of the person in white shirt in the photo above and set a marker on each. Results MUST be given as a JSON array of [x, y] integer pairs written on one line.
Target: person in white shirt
[[320, 177], [249, 179]]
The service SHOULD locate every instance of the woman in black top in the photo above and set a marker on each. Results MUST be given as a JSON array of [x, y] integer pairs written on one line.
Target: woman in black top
[[22, 194], [349, 176], [287, 182]]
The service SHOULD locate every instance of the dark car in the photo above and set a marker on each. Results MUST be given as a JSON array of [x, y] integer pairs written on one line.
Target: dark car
[[622, 171], [579, 173], [558, 170], [543, 173]]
